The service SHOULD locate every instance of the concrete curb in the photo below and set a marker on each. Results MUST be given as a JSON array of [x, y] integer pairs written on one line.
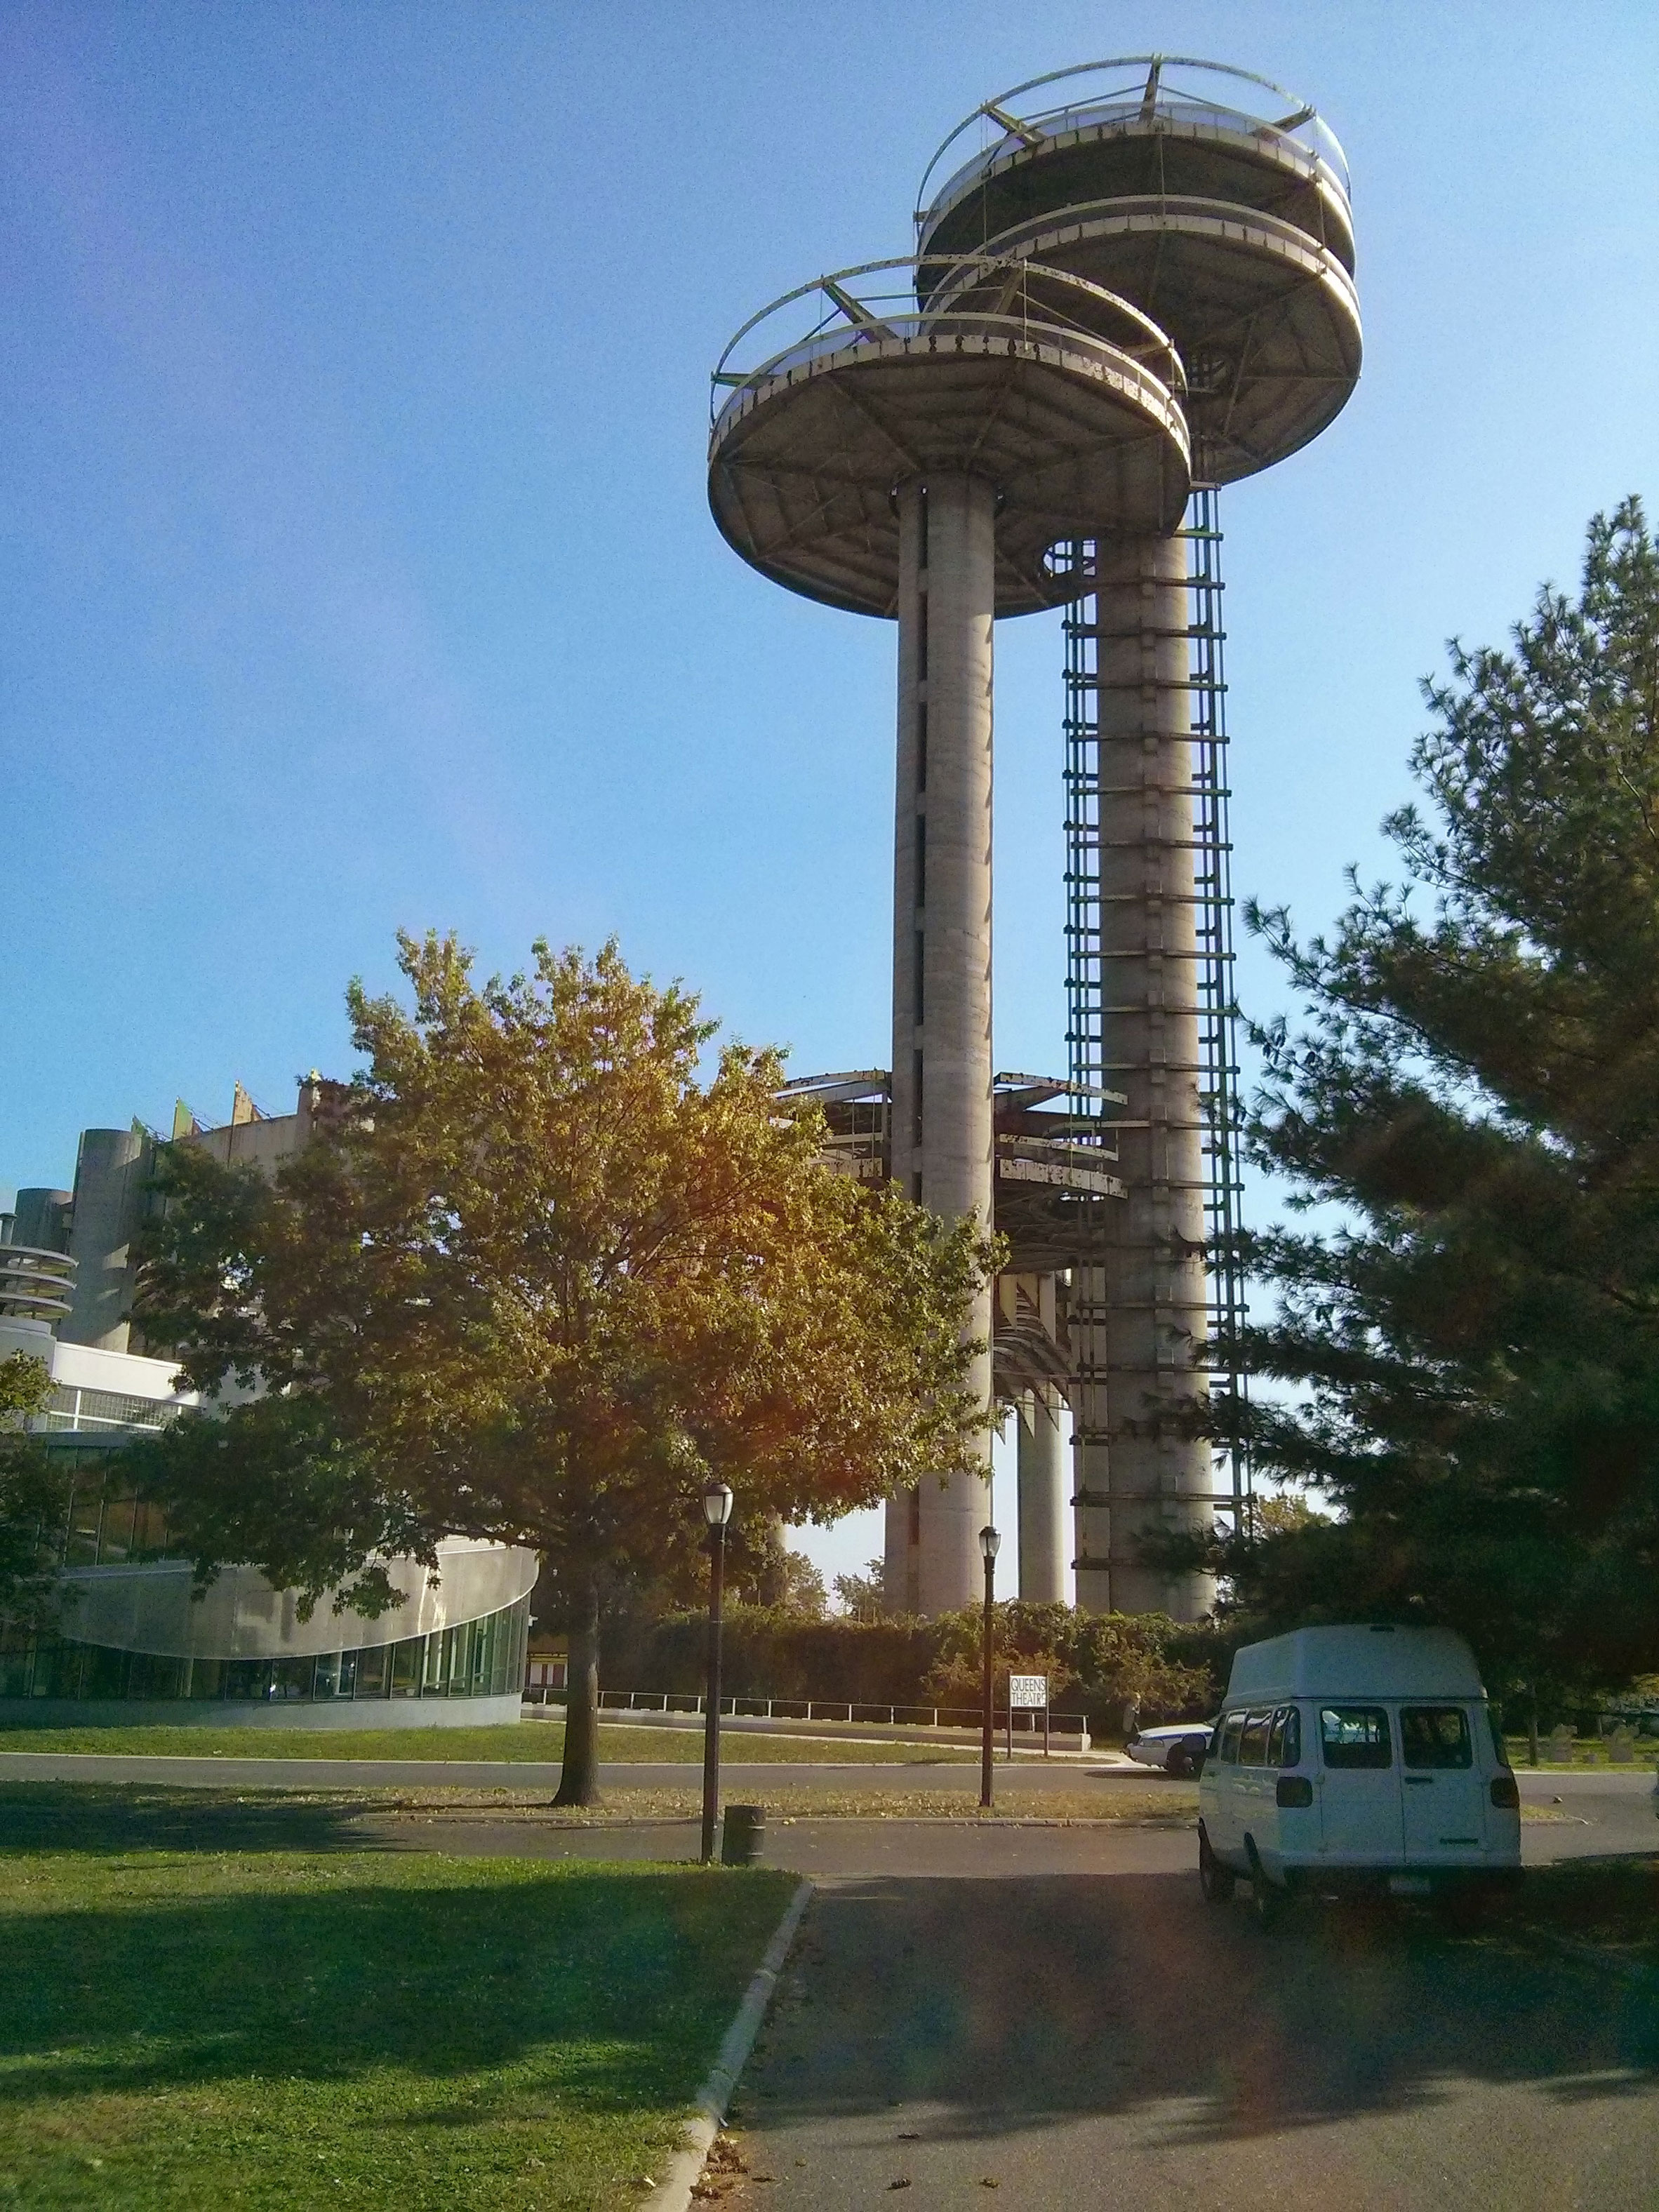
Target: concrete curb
[[674, 2192]]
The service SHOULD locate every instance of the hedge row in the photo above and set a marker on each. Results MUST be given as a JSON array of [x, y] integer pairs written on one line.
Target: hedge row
[[1097, 1663]]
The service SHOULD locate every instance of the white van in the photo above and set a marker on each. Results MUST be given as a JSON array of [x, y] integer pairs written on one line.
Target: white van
[[1357, 1758]]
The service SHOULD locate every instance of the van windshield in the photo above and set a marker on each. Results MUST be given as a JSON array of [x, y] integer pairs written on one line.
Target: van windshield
[[1435, 1735], [1354, 1736]]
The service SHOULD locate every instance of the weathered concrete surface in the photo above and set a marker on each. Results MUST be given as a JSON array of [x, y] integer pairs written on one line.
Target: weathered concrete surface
[[941, 1125], [1044, 1553]]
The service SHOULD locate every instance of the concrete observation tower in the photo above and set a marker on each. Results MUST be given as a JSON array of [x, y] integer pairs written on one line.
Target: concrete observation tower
[[1138, 287]]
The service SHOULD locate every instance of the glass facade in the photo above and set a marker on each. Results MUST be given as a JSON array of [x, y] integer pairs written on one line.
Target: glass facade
[[106, 1526], [73, 1410], [483, 1658]]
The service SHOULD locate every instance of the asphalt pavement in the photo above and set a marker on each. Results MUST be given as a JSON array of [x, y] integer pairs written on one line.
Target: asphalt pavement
[[1051, 2011], [1612, 1819], [1595, 1809], [1082, 2038], [193, 1771]]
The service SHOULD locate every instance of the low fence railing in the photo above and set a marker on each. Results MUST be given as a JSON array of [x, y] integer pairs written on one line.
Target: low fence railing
[[847, 1713]]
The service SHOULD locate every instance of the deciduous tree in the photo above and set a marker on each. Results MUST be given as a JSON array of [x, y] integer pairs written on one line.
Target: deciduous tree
[[33, 1499], [535, 1283]]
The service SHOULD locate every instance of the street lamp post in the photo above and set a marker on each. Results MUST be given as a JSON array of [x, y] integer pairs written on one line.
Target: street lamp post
[[989, 1542], [717, 1511]]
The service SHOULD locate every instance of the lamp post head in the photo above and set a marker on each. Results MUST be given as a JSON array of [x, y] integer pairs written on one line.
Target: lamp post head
[[716, 1504], [990, 1543]]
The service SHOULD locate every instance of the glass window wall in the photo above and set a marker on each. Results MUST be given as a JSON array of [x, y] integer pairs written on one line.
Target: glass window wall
[[485, 1658]]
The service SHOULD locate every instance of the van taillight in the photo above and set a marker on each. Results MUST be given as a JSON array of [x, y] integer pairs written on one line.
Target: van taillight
[[1294, 1789], [1505, 1793]]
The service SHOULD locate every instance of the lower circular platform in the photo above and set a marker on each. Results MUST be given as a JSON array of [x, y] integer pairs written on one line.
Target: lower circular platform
[[1079, 436], [1266, 321]]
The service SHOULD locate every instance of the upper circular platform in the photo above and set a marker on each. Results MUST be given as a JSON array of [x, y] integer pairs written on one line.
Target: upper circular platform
[[1064, 396], [1141, 124], [1213, 199]]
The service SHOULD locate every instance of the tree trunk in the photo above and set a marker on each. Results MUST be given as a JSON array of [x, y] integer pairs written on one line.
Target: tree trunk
[[579, 1781]]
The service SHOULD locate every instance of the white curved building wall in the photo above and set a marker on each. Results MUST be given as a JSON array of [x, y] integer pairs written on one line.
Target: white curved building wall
[[151, 1606]]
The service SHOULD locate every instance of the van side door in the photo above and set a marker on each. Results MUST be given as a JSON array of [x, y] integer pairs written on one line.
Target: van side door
[[1358, 1785], [1445, 1788], [1256, 1784]]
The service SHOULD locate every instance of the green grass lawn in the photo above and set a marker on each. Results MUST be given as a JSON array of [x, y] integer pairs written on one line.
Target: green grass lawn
[[266, 2027], [1608, 1906], [529, 1739]]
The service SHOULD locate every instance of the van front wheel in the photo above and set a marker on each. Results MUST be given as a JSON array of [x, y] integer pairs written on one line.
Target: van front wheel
[[1216, 1880]]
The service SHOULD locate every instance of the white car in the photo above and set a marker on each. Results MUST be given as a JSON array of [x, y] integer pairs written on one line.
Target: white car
[[1178, 1749]]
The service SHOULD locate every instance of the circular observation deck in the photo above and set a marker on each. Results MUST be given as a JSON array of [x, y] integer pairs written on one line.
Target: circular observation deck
[[1140, 125], [1221, 214], [1064, 397], [35, 1285]]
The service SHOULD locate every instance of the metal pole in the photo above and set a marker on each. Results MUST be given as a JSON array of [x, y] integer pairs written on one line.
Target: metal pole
[[711, 1733], [988, 1721]]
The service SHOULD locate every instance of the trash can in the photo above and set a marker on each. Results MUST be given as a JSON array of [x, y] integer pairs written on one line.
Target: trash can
[[744, 1835]]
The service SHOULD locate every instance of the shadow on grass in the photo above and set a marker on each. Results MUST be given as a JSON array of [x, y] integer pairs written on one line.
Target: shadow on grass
[[1000, 2006], [103, 1819], [619, 1985], [1609, 1898]]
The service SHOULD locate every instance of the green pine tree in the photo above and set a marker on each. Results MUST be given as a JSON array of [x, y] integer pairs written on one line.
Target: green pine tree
[[1468, 1365]]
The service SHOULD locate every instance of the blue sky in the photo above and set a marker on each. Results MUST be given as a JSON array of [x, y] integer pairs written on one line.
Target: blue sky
[[356, 569]]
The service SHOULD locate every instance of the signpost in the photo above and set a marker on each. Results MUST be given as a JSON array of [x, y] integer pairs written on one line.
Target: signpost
[[1028, 1693]]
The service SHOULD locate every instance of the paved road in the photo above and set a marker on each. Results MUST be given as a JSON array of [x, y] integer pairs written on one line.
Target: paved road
[[1080, 2040], [193, 1772], [1588, 1813], [1598, 1810], [1604, 1821]]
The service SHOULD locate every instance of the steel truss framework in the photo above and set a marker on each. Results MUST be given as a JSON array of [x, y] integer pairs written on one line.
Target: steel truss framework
[[1089, 1047]]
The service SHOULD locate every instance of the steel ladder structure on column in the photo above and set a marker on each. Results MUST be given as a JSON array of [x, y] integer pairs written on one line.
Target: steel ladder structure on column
[[1219, 204], [1096, 952]]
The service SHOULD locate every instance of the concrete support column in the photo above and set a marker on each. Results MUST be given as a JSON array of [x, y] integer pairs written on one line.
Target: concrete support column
[[109, 1173], [941, 1133], [1041, 1475], [42, 1219], [1138, 1318]]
